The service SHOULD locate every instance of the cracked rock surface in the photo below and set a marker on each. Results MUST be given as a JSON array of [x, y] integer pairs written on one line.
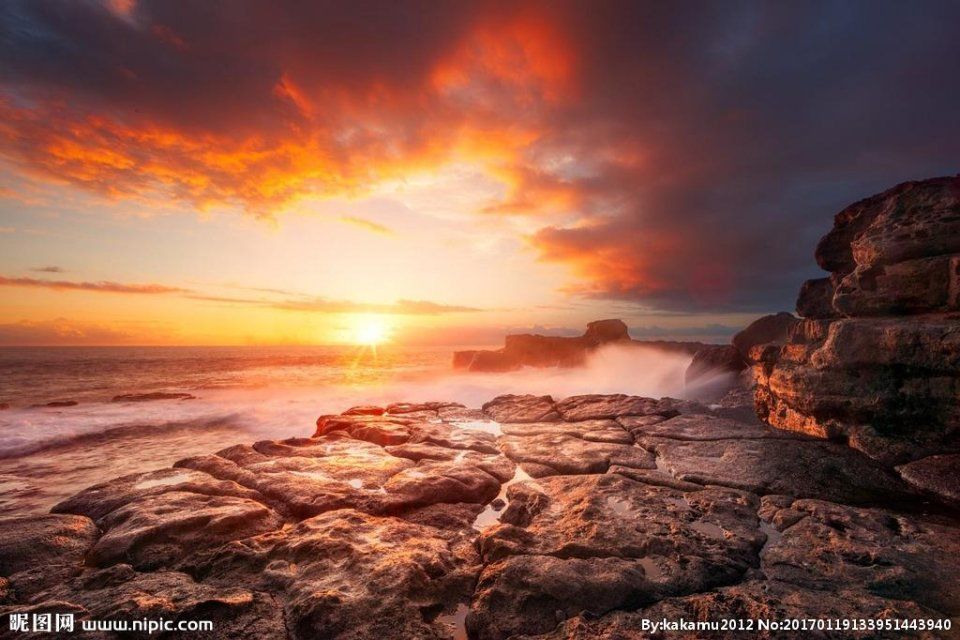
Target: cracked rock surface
[[528, 518]]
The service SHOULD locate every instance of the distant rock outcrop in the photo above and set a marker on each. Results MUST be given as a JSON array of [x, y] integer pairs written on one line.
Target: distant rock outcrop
[[876, 359], [534, 350]]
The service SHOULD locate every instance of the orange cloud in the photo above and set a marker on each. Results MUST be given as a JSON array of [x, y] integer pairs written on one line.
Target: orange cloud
[[101, 287], [369, 225]]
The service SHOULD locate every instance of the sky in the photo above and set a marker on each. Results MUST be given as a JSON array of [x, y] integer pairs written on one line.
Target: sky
[[278, 172]]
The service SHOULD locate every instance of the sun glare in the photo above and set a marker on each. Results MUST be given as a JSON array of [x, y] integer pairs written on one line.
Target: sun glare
[[370, 331]]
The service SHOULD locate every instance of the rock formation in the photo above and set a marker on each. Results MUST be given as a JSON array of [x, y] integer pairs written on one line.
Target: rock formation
[[529, 518], [875, 361], [732, 359], [533, 350]]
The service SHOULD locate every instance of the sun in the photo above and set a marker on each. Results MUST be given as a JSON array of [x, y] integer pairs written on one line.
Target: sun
[[370, 331]]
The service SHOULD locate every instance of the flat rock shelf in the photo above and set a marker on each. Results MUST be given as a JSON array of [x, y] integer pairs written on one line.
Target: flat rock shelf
[[528, 518]]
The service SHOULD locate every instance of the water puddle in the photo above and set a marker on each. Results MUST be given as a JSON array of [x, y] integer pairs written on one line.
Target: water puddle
[[773, 535], [488, 426], [319, 476], [163, 482], [356, 484], [709, 529], [651, 569], [490, 515], [619, 505], [456, 622]]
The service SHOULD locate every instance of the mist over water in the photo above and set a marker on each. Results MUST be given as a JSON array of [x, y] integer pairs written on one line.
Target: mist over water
[[241, 395]]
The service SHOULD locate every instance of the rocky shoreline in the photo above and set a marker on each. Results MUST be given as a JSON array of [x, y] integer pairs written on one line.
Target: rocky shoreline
[[384, 524]]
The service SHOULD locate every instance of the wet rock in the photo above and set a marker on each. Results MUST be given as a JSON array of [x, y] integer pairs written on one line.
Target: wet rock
[[803, 468], [714, 530], [773, 328], [702, 427], [461, 414], [753, 600], [434, 481], [364, 410], [532, 594], [591, 430], [150, 397], [36, 551], [877, 362], [525, 408], [121, 593], [338, 473], [401, 408], [594, 407], [457, 518], [890, 555], [815, 299], [561, 453], [714, 360], [97, 501], [161, 529], [498, 466], [345, 574], [939, 475], [50, 539], [378, 430]]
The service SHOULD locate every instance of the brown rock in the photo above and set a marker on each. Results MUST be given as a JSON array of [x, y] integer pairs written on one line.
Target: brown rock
[[97, 501], [714, 360], [816, 299], [703, 427], [939, 475], [596, 407], [345, 574], [364, 410], [561, 453], [591, 430], [37, 551], [525, 408], [597, 543], [120, 593], [807, 468], [752, 601], [772, 328], [891, 555], [161, 529]]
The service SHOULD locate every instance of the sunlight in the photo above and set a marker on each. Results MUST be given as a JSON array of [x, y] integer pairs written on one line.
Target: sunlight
[[370, 331]]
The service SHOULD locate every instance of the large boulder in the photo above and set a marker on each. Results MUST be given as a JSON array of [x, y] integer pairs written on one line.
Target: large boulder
[[773, 328], [876, 360]]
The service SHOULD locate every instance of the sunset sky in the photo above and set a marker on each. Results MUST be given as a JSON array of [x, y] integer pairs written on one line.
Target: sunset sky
[[276, 172]]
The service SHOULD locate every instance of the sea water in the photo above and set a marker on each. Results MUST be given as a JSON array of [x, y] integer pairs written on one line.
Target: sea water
[[239, 394]]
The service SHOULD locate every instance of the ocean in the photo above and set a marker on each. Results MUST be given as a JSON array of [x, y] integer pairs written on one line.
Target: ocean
[[65, 428]]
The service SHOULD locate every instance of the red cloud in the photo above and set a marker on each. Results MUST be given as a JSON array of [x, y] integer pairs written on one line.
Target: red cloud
[[686, 154]]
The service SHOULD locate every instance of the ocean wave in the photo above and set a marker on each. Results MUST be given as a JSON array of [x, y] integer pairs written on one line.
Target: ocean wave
[[13, 447]]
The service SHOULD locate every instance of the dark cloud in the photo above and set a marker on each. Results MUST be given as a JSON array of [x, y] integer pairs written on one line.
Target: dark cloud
[[99, 287], [683, 155]]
